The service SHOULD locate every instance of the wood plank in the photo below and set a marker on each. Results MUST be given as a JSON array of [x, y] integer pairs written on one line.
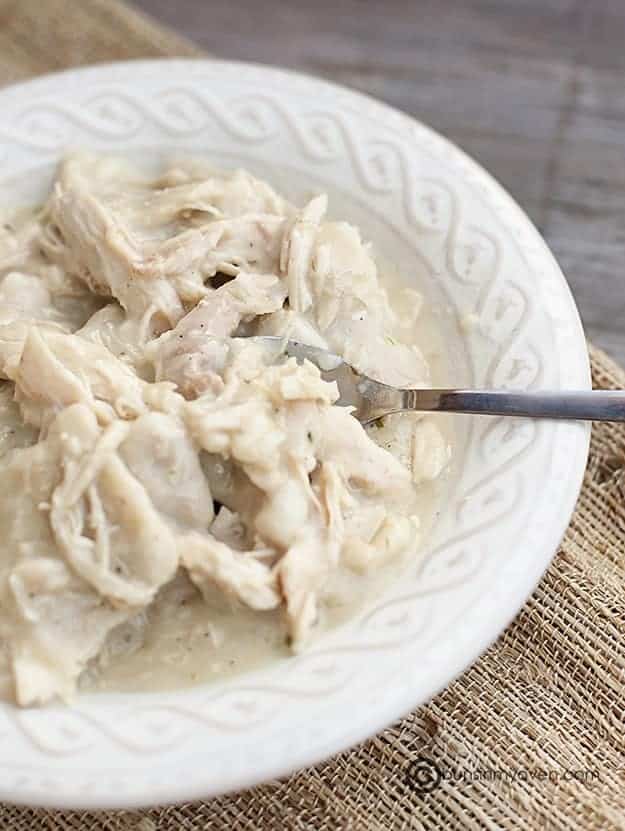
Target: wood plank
[[585, 209]]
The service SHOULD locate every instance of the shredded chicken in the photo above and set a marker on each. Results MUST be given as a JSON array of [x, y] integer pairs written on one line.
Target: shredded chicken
[[147, 439]]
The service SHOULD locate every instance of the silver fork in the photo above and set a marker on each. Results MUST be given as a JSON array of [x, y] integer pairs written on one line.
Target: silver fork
[[372, 400]]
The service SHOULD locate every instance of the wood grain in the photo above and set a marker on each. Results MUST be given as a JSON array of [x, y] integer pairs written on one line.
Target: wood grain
[[531, 88]]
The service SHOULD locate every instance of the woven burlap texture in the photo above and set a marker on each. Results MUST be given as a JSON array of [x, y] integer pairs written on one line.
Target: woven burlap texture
[[532, 735]]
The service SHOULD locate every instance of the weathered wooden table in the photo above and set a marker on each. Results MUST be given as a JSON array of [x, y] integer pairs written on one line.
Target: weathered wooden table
[[533, 89]]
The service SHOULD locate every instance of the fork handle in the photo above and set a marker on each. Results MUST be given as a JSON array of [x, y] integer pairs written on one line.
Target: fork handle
[[587, 405]]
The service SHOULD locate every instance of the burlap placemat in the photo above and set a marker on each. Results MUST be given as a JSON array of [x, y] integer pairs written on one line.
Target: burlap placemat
[[532, 735]]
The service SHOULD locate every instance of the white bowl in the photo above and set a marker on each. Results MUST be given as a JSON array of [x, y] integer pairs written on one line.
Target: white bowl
[[438, 216]]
